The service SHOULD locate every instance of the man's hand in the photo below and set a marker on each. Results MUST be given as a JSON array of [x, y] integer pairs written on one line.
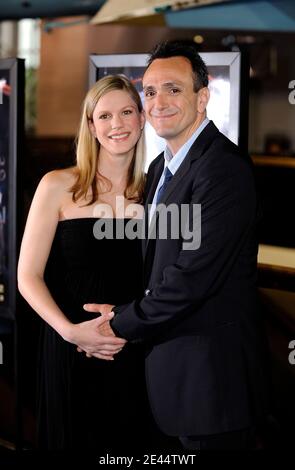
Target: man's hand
[[98, 308], [105, 309]]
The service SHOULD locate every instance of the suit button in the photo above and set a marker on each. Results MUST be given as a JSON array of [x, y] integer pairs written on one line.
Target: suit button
[[147, 292]]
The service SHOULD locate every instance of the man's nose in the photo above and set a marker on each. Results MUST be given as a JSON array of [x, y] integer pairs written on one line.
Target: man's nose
[[160, 101]]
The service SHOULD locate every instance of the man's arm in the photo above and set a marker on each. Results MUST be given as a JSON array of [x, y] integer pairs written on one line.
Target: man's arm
[[228, 210], [228, 213]]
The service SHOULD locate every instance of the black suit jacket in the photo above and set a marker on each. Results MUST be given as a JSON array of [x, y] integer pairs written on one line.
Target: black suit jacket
[[204, 367]]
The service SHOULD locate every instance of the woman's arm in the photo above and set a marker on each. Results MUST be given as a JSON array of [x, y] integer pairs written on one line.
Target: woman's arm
[[36, 244]]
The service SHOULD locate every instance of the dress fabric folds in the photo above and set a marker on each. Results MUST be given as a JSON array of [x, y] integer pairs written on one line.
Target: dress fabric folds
[[87, 403]]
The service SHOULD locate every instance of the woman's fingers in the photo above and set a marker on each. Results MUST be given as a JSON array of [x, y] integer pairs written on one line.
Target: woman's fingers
[[108, 353], [105, 355], [107, 349], [112, 349], [102, 356], [111, 341]]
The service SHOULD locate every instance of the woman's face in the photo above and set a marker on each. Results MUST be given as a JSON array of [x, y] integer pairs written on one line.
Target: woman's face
[[117, 123]]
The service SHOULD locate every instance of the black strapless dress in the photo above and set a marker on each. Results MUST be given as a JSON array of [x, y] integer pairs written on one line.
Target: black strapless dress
[[87, 403]]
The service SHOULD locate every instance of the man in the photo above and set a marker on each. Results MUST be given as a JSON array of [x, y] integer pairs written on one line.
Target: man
[[204, 368]]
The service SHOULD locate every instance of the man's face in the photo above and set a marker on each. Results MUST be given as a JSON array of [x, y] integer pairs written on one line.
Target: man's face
[[172, 107]]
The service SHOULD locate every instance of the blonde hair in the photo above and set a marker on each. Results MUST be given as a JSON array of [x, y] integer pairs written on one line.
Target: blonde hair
[[87, 146]]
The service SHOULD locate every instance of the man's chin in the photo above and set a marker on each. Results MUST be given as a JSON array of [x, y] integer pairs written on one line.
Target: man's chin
[[165, 133]]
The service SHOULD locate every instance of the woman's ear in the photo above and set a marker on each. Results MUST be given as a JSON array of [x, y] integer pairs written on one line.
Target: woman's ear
[[92, 128], [142, 119]]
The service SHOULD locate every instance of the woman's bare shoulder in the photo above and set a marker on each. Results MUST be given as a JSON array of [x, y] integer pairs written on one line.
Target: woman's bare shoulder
[[59, 180]]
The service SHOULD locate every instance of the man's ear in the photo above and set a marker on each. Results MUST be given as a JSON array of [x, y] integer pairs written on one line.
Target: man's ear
[[203, 98]]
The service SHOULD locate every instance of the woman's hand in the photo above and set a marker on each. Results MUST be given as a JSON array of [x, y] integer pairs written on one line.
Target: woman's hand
[[96, 338]]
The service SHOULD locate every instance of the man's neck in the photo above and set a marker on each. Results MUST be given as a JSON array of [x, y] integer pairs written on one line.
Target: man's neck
[[175, 145]]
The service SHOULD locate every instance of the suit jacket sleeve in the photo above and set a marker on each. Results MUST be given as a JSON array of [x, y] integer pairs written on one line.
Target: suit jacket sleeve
[[228, 211]]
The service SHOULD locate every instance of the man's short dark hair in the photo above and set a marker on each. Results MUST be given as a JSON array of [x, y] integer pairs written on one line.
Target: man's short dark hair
[[183, 48]]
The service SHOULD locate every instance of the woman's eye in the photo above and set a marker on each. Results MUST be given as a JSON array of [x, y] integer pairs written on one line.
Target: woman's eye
[[103, 116], [127, 111]]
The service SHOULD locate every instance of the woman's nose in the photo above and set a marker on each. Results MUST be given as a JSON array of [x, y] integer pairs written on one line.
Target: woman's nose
[[116, 122]]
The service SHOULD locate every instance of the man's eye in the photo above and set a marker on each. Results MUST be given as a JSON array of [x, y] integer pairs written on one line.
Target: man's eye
[[149, 94], [174, 91]]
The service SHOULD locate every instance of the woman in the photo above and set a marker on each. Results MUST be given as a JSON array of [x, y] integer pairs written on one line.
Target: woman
[[88, 403]]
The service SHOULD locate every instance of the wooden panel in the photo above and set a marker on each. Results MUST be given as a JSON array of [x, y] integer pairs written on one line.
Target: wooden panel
[[62, 80]]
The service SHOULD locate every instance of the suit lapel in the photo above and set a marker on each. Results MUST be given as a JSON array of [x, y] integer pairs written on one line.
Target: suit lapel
[[196, 151], [157, 175]]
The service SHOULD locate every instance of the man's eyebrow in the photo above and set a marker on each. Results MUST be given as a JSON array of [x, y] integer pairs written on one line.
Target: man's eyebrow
[[170, 84], [148, 87], [164, 85]]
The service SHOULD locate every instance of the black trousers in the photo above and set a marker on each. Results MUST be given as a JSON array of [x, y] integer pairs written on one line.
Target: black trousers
[[243, 439]]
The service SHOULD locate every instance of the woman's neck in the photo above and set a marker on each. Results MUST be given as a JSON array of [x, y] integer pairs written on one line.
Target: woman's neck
[[114, 167]]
